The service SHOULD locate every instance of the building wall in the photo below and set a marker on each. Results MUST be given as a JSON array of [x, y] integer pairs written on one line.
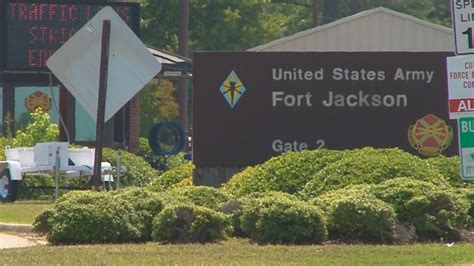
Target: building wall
[[380, 30]]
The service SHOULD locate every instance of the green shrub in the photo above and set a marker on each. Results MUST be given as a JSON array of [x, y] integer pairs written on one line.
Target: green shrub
[[41, 223], [470, 197], [327, 201], [270, 194], [92, 217], [362, 218], [139, 172], [448, 167], [238, 184], [171, 178], [203, 196], [144, 147], [187, 223], [370, 166], [272, 220], [438, 215], [399, 191], [435, 211], [159, 162], [187, 182], [288, 172], [145, 204], [233, 207], [43, 187]]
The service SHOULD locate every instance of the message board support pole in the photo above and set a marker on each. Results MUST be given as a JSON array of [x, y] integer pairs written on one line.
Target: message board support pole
[[99, 135]]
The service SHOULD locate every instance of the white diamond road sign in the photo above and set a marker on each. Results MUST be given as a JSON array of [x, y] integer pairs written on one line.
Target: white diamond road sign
[[131, 66]]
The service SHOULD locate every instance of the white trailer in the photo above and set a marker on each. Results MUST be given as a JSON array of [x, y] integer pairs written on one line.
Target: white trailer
[[48, 158]]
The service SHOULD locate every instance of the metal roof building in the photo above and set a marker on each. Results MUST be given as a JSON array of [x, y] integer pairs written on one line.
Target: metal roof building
[[378, 29]]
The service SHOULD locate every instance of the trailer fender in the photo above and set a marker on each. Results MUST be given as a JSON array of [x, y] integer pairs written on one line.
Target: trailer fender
[[14, 167]]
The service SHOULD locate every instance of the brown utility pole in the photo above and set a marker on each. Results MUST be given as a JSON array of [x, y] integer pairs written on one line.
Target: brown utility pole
[[99, 137], [315, 13], [182, 92]]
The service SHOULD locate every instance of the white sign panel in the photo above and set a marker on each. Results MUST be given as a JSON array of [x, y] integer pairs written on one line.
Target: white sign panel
[[461, 86], [467, 163], [76, 64], [463, 22]]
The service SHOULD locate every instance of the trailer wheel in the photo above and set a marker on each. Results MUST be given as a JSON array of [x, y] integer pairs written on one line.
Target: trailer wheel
[[8, 187]]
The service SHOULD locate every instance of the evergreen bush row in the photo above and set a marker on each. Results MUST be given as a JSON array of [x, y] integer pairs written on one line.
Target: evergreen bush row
[[299, 197]]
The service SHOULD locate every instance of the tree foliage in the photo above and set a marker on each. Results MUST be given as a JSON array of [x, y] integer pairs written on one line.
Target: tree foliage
[[236, 25], [157, 103], [40, 129], [221, 24]]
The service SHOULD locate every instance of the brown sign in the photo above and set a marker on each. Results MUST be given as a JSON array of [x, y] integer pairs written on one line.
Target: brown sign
[[249, 106]]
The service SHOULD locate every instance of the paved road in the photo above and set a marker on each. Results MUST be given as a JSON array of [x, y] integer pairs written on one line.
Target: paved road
[[15, 241]]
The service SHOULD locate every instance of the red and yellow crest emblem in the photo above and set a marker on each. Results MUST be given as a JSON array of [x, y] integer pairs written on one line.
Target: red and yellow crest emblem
[[430, 135], [38, 99]]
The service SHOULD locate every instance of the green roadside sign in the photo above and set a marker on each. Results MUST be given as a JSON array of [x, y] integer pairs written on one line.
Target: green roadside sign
[[466, 147]]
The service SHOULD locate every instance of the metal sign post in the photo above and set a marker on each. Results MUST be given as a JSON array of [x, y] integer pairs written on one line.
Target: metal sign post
[[99, 138]]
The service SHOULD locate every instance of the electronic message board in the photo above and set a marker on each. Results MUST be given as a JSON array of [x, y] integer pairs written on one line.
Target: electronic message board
[[34, 30], [249, 106]]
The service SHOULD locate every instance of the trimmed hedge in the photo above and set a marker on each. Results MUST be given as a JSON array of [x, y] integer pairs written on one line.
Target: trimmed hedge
[[187, 223], [82, 217], [99, 217], [272, 220], [362, 218], [233, 207], [139, 172], [43, 187], [209, 197], [145, 204], [449, 167], [438, 215], [270, 194], [370, 166], [41, 223], [178, 176], [288, 172], [436, 212], [327, 201], [399, 191], [470, 197]]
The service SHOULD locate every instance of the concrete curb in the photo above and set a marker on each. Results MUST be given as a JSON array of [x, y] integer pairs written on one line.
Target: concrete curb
[[22, 228]]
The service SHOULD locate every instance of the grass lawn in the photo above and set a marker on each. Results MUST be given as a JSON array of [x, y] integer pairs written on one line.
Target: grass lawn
[[23, 212], [239, 252]]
